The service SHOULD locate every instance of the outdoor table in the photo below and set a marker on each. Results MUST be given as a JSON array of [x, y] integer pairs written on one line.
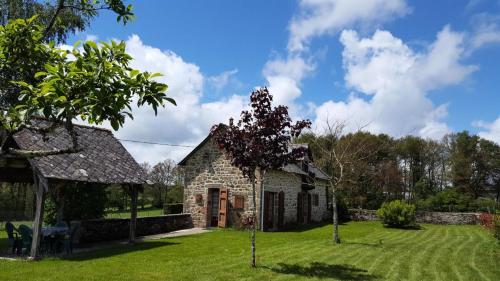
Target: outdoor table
[[54, 230], [52, 235]]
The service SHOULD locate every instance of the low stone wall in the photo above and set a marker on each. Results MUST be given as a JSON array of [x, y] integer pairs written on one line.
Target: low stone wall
[[422, 217], [92, 231], [363, 215], [448, 218]]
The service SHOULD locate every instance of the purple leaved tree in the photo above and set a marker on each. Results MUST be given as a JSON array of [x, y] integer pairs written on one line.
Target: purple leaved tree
[[259, 142]]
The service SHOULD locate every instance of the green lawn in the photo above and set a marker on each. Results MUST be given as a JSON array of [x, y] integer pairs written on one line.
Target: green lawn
[[368, 252], [125, 214]]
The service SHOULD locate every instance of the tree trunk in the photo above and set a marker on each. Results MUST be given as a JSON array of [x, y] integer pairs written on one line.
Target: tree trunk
[[254, 219], [133, 213], [41, 187], [336, 238]]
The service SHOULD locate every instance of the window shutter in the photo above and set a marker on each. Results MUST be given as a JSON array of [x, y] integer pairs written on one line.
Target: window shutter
[[239, 202]]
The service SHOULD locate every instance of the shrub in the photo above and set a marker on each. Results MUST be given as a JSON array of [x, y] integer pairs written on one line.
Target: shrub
[[486, 220], [397, 214], [496, 226]]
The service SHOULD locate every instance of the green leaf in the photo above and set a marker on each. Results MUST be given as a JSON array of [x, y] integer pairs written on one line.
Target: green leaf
[[134, 72], [156, 75], [171, 100], [40, 73]]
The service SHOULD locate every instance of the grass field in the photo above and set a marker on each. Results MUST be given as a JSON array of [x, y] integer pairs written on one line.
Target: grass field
[[368, 252], [125, 214]]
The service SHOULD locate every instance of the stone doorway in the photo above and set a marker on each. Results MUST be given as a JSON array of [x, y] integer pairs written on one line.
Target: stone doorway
[[217, 207], [304, 208], [213, 207]]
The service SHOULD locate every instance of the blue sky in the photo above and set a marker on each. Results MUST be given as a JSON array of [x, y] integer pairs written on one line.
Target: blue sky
[[399, 67]]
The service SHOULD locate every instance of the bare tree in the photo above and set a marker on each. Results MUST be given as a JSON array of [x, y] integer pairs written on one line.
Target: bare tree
[[339, 153], [162, 175]]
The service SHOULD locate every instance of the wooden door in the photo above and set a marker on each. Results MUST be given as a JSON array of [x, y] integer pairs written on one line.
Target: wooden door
[[309, 208], [223, 207], [281, 209], [213, 207], [300, 204], [209, 208]]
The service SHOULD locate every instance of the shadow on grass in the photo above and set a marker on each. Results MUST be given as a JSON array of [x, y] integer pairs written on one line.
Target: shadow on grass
[[306, 227], [322, 270], [5, 248], [377, 244], [116, 250], [408, 227]]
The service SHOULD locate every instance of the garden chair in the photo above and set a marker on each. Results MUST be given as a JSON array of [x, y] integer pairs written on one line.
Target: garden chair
[[26, 237], [13, 238]]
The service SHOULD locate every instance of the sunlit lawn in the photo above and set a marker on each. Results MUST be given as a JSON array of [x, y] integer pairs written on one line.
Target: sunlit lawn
[[368, 252], [125, 214]]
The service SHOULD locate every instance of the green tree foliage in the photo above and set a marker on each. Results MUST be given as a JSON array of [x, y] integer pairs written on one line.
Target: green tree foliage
[[397, 214], [117, 198], [451, 200], [61, 18], [94, 83], [449, 175], [80, 202], [21, 54], [163, 176], [474, 163]]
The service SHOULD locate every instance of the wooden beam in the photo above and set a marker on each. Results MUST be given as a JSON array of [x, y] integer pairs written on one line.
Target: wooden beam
[[41, 186], [133, 212]]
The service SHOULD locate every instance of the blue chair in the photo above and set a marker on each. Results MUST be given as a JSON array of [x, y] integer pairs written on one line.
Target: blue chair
[[13, 238]]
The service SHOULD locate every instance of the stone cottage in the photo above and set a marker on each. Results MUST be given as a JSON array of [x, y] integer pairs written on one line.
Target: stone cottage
[[217, 194]]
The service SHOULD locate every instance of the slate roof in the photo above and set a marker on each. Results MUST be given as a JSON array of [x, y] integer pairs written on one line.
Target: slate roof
[[103, 158]]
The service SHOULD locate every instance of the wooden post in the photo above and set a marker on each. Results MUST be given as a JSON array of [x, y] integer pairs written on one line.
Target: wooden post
[[41, 186], [133, 212]]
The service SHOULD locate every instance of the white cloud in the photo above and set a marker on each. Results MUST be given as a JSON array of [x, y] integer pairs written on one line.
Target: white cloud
[[284, 77], [188, 122], [319, 17], [395, 81], [91, 37], [220, 81], [486, 31], [491, 131]]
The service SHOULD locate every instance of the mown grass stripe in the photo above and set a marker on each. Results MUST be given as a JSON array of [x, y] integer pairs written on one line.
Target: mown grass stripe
[[424, 256], [436, 252], [474, 253], [405, 251]]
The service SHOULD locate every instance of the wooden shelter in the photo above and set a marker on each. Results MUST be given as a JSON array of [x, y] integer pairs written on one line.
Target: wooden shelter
[[101, 160]]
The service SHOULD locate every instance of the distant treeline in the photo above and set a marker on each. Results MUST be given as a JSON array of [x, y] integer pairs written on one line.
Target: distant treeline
[[459, 173]]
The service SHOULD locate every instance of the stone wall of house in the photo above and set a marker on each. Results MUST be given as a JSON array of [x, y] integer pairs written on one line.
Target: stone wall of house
[[422, 217], [91, 231], [209, 168], [290, 184]]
